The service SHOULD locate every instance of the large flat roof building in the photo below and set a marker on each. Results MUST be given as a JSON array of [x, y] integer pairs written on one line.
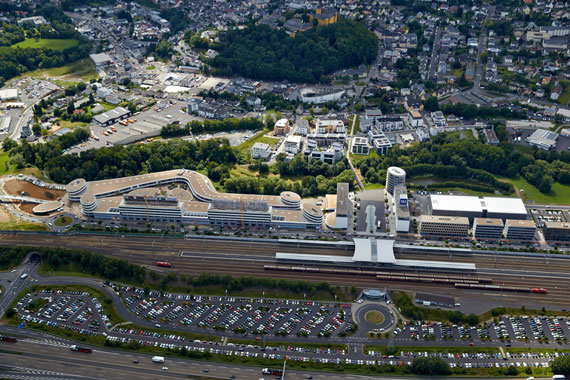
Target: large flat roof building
[[444, 225], [523, 230], [543, 139], [475, 207], [112, 116], [8, 94]]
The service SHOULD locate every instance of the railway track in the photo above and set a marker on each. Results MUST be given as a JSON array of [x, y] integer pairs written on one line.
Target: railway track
[[502, 270]]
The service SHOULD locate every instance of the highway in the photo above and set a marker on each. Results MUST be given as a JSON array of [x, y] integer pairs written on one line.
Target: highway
[[243, 258], [51, 358]]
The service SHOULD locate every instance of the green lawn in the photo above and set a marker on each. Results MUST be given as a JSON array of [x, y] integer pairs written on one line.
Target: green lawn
[[48, 43], [63, 221], [83, 69], [259, 137], [458, 72], [564, 98], [5, 166], [560, 194]]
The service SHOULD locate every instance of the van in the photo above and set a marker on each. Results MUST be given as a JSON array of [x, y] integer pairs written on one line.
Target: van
[[24, 276]]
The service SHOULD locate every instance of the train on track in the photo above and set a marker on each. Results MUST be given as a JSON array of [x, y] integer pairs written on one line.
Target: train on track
[[459, 282], [502, 288], [387, 276]]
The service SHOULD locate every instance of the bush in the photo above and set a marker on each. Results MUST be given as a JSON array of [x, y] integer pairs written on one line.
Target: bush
[[430, 366], [561, 366]]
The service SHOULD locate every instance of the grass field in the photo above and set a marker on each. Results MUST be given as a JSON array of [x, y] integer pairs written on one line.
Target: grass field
[[48, 43], [83, 69], [20, 225], [5, 166], [560, 194], [259, 137]]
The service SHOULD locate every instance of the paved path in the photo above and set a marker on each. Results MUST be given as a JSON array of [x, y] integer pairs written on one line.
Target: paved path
[[348, 154]]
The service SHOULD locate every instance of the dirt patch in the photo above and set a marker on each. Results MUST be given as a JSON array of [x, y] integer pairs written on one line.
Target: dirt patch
[[16, 187], [27, 207], [5, 215]]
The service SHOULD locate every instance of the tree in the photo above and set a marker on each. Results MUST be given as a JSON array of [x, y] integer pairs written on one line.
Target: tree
[[431, 104], [561, 366], [472, 319], [429, 366], [8, 144], [456, 316]]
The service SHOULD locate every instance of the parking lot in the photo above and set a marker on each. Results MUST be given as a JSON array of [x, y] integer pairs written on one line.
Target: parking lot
[[506, 329], [243, 316], [548, 215], [253, 317]]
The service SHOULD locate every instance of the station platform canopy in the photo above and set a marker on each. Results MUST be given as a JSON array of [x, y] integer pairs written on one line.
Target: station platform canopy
[[374, 251]]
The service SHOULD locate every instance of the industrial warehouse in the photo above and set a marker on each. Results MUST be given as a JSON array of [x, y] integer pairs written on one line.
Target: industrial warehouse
[[138, 198]]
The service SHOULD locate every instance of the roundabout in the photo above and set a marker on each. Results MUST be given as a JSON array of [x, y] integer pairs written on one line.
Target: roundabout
[[373, 316]]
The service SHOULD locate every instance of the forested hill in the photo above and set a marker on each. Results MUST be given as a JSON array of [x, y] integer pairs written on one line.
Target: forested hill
[[263, 53]]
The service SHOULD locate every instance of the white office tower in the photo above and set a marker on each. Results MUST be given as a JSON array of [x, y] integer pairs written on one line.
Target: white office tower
[[396, 176]]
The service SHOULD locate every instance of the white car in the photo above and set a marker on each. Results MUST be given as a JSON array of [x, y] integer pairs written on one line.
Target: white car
[[165, 368]]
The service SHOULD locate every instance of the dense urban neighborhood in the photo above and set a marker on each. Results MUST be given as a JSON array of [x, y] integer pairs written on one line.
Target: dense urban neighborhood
[[289, 189]]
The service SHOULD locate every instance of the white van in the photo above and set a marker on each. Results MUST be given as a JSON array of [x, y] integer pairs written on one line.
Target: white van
[[158, 359]]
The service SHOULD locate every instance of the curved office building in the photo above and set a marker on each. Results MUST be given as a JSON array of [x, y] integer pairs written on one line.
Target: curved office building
[[117, 198], [395, 176]]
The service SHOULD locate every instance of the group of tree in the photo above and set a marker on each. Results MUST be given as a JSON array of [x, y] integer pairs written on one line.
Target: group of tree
[[15, 61], [430, 366], [452, 157], [472, 111], [55, 259], [260, 52], [241, 283], [458, 317], [212, 126], [118, 161]]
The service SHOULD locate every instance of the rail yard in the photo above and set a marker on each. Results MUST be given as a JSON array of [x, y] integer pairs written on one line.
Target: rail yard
[[250, 258]]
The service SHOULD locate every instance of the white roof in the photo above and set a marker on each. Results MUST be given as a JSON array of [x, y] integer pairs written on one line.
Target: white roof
[[502, 205], [456, 203], [317, 258], [100, 58], [293, 140], [8, 93], [436, 264], [172, 89], [374, 250]]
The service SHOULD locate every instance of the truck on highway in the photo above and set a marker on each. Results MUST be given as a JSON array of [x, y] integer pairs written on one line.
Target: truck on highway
[[8, 339], [24, 276], [538, 290], [164, 264], [558, 377], [81, 349], [158, 359]]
